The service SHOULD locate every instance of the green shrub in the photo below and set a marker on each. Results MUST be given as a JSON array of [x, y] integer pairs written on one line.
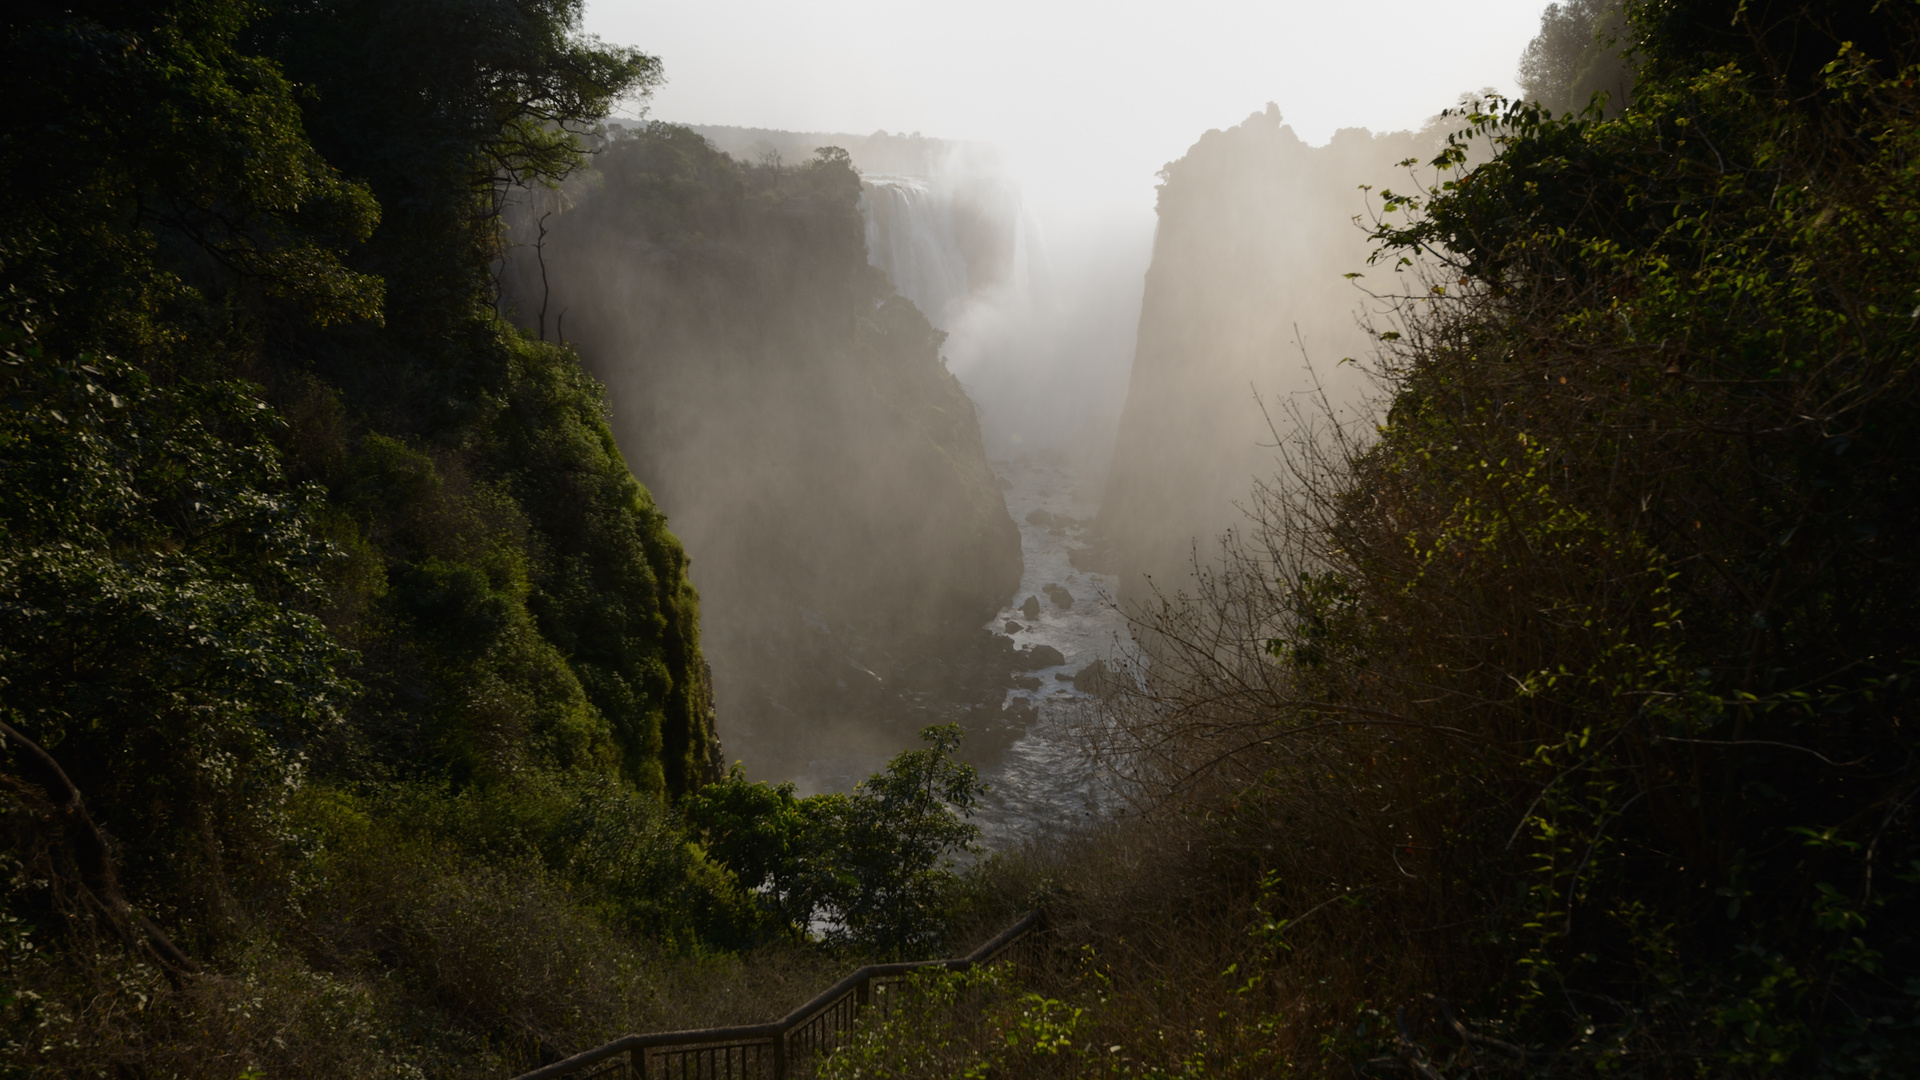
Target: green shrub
[[1557, 724], [873, 868], [352, 669]]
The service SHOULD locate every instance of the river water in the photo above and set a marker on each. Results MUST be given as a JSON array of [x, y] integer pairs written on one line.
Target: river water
[[929, 234], [1045, 782]]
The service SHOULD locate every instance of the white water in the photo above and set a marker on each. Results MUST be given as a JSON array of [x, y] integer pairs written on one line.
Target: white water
[[1039, 301], [1037, 370], [1046, 782], [910, 235]]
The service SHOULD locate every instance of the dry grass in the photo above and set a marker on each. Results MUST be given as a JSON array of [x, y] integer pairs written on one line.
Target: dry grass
[[401, 960]]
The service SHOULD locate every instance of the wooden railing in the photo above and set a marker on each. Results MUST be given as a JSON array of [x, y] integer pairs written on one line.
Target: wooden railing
[[771, 1051]]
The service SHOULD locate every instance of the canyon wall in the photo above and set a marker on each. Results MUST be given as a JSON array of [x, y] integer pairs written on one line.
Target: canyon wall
[[793, 416], [1247, 312], [1025, 260]]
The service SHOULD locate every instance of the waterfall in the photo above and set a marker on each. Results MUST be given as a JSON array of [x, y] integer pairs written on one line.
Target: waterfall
[[911, 236], [1043, 357]]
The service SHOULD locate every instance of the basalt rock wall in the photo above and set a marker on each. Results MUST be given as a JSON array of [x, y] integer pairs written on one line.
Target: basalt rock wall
[[794, 418], [1247, 312]]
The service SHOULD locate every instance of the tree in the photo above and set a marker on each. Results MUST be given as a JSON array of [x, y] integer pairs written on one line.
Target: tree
[[1581, 50], [154, 567], [873, 868], [1651, 439], [441, 107]]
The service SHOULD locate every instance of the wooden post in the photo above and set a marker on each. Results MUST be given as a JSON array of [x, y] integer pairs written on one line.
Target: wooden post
[[780, 1056], [637, 1059]]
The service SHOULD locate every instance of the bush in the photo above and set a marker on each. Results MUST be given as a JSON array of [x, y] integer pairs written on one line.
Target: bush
[[1556, 724], [872, 869]]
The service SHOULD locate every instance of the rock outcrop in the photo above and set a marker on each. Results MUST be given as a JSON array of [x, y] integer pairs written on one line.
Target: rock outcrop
[[796, 421], [1041, 656], [1247, 282], [1103, 681]]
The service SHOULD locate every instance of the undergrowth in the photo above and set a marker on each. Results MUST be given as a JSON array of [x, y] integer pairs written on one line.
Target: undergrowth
[[1560, 722]]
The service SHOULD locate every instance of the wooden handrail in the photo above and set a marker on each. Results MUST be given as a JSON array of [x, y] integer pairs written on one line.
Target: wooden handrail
[[776, 1032]]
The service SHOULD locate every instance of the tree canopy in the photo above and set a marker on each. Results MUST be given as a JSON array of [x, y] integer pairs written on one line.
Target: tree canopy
[[300, 541]]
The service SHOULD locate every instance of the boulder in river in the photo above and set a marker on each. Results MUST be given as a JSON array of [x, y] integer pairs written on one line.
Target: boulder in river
[[1042, 656], [1014, 627], [1019, 714], [1058, 594], [1102, 681], [1031, 609], [1040, 517]]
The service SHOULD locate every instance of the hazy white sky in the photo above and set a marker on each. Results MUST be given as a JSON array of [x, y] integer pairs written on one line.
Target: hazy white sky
[[1118, 88]]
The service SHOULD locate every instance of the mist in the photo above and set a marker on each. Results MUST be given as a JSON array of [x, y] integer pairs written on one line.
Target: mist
[[836, 360], [1037, 291], [842, 357], [1085, 107], [1157, 356], [1257, 321], [792, 415]]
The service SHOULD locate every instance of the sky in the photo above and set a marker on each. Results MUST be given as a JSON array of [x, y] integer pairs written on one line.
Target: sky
[[1087, 100], [1083, 104]]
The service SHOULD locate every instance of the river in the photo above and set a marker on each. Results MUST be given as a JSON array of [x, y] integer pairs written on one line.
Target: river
[[1045, 781]]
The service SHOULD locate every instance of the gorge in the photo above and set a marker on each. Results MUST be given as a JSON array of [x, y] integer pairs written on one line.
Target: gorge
[[484, 573], [794, 416], [782, 321]]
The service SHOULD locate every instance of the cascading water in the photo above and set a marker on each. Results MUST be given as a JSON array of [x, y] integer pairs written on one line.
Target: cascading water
[[910, 235], [965, 251], [1045, 781]]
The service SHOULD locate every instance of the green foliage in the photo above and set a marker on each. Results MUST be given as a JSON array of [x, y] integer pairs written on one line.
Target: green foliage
[[184, 174], [1649, 453], [524, 605], [154, 565], [619, 854], [609, 582], [971, 1024], [541, 618], [440, 107], [312, 568], [1580, 51], [873, 868]]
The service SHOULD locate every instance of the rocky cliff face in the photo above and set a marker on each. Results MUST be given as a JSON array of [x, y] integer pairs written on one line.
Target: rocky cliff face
[[794, 418], [1256, 232]]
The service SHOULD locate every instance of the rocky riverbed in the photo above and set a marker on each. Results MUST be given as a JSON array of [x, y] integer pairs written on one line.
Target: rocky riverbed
[[1022, 684], [1066, 628]]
